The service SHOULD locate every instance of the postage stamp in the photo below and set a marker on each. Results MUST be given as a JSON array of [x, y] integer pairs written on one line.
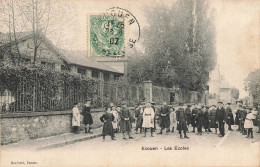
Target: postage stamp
[[106, 35]]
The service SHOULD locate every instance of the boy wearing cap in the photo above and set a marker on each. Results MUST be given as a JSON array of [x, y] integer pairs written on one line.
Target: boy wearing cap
[[165, 118], [139, 118], [230, 119], [193, 117], [221, 117], [206, 119], [87, 118], [243, 117], [75, 118], [188, 114], [213, 118], [199, 120], [181, 121], [155, 112], [238, 117], [125, 121]]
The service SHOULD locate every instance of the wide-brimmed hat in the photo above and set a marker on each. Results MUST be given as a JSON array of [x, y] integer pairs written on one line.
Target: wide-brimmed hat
[[220, 102], [228, 103], [180, 104], [75, 103]]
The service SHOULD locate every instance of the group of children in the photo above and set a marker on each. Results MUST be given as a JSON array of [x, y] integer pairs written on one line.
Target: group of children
[[119, 119]]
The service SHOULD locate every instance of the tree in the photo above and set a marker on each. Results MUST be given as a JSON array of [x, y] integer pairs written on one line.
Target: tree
[[179, 46], [38, 17], [235, 93], [252, 85]]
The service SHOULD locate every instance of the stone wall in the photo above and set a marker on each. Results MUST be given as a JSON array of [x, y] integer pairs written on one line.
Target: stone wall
[[22, 126], [188, 97], [32, 125]]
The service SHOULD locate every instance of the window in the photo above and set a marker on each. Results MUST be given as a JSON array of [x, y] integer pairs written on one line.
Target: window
[[65, 68], [106, 77], [117, 76], [94, 74], [47, 65], [81, 71]]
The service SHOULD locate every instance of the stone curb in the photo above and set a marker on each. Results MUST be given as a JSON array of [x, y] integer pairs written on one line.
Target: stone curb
[[64, 143]]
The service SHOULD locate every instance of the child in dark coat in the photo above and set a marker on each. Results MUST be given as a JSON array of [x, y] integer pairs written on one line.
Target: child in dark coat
[[107, 119]]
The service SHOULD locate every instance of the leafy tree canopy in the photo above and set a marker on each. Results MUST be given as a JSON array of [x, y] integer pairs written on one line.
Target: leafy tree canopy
[[179, 46]]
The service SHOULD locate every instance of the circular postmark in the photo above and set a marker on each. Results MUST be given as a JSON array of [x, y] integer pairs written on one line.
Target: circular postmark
[[131, 25], [111, 32]]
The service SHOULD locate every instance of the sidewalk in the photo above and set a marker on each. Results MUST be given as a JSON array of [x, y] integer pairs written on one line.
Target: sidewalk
[[52, 141]]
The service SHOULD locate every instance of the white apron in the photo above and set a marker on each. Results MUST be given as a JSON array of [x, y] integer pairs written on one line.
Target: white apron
[[148, 118], [115, 122], [249, 121], [75, 117]]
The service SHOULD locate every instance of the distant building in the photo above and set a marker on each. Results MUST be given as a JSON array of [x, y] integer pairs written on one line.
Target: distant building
[[219, 89], [225, 95]]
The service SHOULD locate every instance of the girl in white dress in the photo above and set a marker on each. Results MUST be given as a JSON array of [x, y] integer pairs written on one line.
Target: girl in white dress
[[148, 119], [249, 122], [116, 115]]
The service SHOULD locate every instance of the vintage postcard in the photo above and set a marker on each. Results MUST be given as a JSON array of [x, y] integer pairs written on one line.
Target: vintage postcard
[[129, 83]]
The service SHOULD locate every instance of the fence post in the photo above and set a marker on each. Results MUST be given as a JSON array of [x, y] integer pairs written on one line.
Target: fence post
[[148, 93]]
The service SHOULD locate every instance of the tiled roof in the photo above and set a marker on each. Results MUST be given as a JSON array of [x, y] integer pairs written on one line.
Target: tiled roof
[[80, 58]]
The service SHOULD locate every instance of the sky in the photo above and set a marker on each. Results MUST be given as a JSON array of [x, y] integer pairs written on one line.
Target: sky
[[238, 40]]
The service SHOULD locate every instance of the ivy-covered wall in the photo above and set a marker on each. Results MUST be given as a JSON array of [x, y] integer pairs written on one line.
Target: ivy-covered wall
[[35, 88]]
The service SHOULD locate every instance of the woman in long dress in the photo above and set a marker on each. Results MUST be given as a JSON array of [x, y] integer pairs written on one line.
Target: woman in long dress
[[75, 118], [148, 119]]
